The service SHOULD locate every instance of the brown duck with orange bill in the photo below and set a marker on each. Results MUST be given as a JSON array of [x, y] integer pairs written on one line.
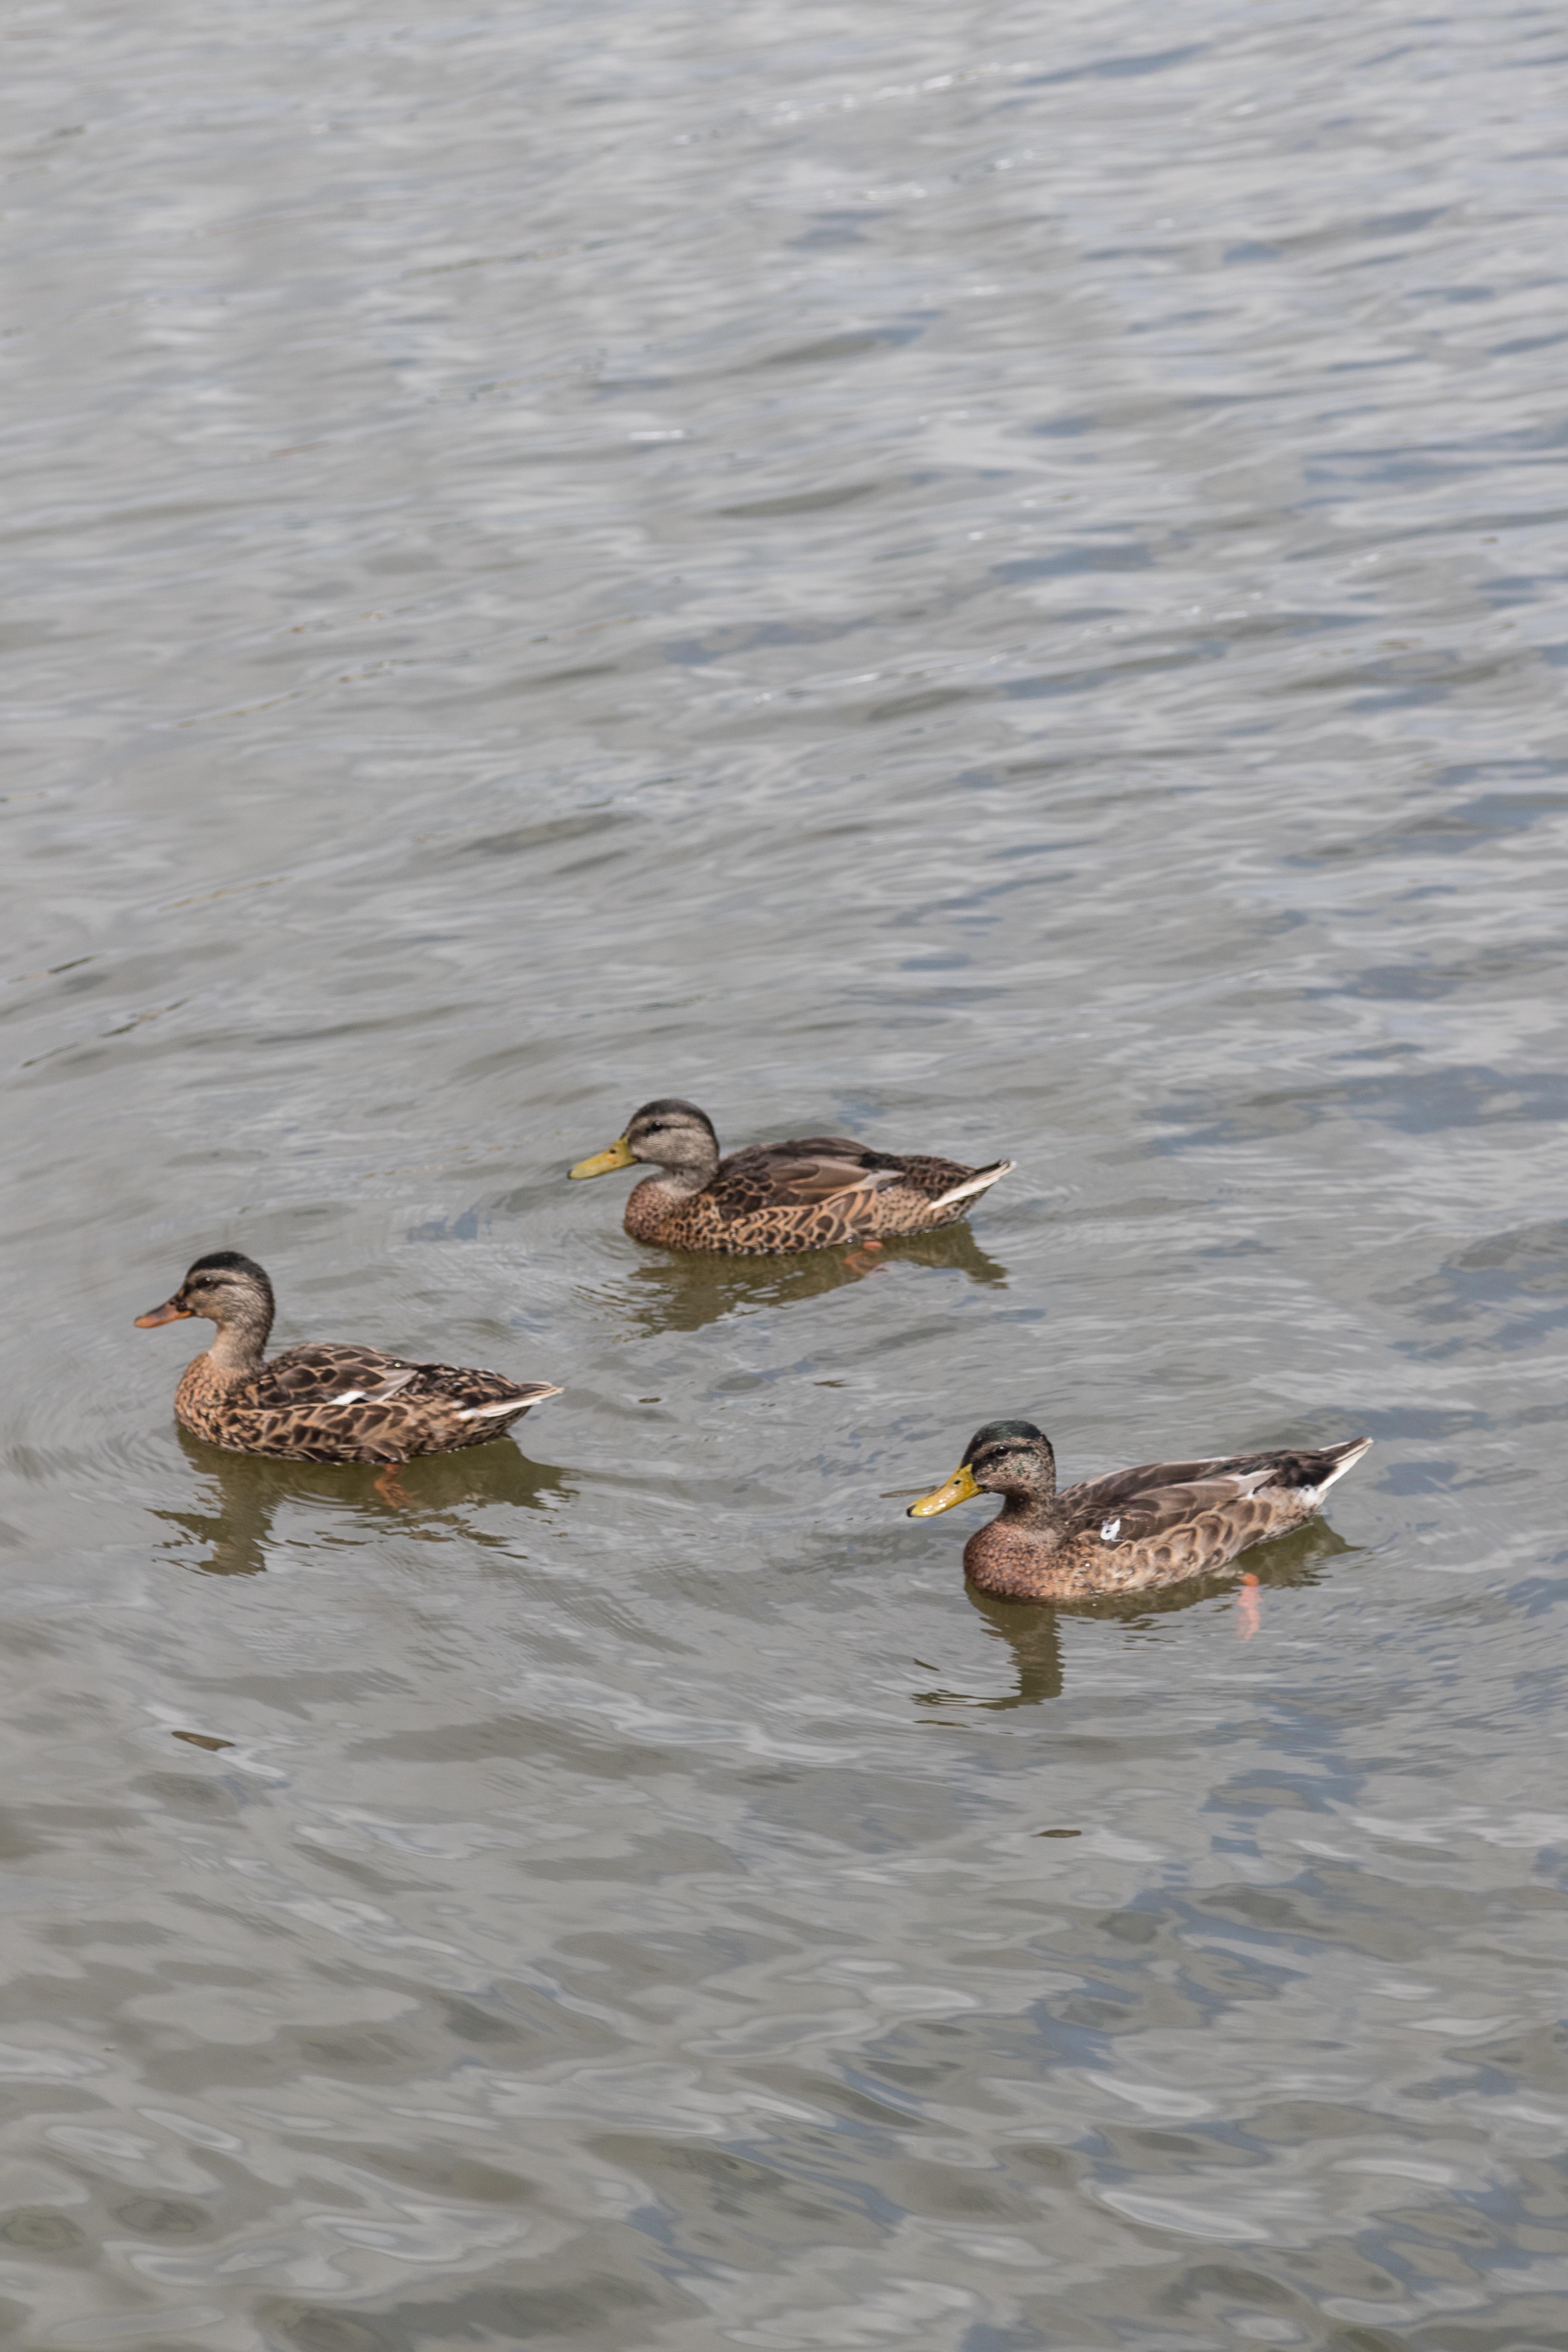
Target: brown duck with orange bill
[[770, 1198], [1132, 1532], [325, 1403]]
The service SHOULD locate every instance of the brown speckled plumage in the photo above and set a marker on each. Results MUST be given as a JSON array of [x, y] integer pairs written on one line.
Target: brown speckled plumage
[[322, 1403], [771, 1198], [1132, 1532]]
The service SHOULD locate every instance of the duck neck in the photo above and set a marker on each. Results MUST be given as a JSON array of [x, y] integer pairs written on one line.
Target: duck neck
[[1040, 1514], [690, 1177], [1035, 1506], [239, 1349]]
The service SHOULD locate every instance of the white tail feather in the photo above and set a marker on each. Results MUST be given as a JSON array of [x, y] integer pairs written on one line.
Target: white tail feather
[[1341, 1467], [973, 1184]]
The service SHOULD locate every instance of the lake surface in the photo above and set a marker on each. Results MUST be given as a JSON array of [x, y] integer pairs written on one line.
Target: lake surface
[[990, 579]]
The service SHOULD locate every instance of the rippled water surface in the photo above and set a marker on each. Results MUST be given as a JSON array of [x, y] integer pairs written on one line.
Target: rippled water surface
[[988, 578]]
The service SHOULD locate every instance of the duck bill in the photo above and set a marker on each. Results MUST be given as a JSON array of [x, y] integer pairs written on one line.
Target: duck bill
[[619, 1155], [960, 1488], [171, 1311]]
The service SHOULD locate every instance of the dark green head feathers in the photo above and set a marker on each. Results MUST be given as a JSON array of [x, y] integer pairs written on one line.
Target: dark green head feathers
[[1005, 1435]]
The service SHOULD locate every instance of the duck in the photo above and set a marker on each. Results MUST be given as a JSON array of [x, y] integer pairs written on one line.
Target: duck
[[774, 1198], [326, 1401], [1133, 1531]]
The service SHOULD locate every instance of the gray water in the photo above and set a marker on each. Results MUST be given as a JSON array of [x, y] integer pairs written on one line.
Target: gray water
[[990, 579]]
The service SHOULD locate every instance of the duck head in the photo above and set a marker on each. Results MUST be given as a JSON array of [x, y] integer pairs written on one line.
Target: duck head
[[230, 1290], [1011, 1458], [672, 1134]]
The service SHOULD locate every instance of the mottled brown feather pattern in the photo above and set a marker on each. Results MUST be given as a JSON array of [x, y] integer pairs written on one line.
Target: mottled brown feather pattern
[[1177, 1520], [1134, 1530], [284, 1409], [321, 1402], [806, 1194]]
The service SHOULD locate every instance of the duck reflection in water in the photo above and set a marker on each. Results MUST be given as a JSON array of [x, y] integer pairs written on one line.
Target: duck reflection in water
[[1033, 1633], [231, 1534], [683, 1294]]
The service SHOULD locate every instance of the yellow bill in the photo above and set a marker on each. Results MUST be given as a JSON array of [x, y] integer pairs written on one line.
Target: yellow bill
[[619, 1155], [960, 1488]]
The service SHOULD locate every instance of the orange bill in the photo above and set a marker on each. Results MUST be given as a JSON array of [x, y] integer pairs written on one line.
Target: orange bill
[[171, 1311]]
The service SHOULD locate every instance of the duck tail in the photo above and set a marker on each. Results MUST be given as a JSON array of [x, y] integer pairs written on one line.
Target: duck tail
[[980, 1181], [526, 1393], [1338, 1459]]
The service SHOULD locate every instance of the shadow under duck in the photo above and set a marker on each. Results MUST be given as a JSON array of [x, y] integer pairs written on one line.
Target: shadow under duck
[[1133, 1531], [808, 1193], [326, 1401]]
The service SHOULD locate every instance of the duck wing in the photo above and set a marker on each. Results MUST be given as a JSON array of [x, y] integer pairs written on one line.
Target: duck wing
[[347, 1375], [331, 1373], [474, 1395], [1158, 1497], [801, 1174]]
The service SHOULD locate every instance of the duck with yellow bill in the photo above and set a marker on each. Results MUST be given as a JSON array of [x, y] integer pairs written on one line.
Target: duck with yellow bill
[[1133, 1531], [770, 1198]]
